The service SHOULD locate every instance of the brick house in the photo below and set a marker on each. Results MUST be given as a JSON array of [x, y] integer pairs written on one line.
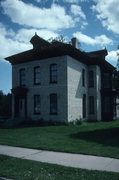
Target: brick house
[[58, 82]]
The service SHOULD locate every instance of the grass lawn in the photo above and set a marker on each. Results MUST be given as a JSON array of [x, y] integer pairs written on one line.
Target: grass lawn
[[101, 138], [20, 169]]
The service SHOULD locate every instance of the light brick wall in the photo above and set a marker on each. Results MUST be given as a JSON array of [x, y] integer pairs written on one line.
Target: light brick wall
[[69, 88], [75, 88], [45, 89]]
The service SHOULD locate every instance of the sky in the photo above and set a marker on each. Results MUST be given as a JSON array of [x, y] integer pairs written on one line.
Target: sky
[[95, 23]]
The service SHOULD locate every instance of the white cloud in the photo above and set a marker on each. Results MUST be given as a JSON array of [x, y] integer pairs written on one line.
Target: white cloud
[[15, 42], [112, 57], [74, 1], [39, 1], [97, 40], [54, 18], [24, 35], [108, 13], [79, 15], [77, 11]]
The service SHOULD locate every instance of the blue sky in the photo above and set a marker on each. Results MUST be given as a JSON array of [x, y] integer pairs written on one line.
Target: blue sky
[[94, 23]]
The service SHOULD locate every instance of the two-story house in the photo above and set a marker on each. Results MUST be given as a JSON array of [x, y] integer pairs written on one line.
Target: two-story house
[[58, 82]]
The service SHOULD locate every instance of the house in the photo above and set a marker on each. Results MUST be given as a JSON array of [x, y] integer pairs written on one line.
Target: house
[[56, 81]]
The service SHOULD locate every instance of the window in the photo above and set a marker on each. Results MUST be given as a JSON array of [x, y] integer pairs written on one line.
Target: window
[[107, 104], [106, 80], [83, 77], [91, 105], [53, 103], [53, 73], [37, 75], [91, 79], [84, 105], [22, 75], [37, 104]]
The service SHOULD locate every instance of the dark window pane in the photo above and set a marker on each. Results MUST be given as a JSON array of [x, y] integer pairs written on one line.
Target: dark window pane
[[22, 77], [37, 105], [84, 105], [53, 103], [53, 73], [91, 79], [83, 77], [37, 75], [106, 80], [91, 105]]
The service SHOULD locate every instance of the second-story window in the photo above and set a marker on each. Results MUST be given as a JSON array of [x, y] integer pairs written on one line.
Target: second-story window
[[91, 79], [22, 77], [53, 73], [83, 77], [37, 75]]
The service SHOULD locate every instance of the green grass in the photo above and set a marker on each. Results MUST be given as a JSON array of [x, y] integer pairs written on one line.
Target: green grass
[[20, 169], [101, 138]]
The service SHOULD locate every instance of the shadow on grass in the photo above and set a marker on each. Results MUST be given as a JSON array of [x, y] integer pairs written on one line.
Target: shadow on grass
[[107, 137]]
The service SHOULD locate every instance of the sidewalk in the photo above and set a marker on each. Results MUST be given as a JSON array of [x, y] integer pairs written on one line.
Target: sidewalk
[[64, 159]]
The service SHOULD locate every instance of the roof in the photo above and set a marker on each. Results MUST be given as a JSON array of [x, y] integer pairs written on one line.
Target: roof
[[43, 49]]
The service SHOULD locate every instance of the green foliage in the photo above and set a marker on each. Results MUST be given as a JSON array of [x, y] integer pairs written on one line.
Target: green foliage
[[5, 104], [59, 38], [21, 169]]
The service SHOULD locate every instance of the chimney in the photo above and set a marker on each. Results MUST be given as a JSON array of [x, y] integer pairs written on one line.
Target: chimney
[[75, 42]]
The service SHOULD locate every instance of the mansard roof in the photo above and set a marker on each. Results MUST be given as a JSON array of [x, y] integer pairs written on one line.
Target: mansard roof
[[43, 50]]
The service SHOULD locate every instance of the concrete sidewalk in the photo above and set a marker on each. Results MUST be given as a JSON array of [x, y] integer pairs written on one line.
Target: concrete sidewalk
[[64, 159]]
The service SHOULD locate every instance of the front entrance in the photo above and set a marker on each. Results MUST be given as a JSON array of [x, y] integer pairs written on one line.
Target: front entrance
[[20, 102], [20, 107]]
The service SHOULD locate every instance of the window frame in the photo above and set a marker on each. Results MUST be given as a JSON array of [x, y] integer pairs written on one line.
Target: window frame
[[35, 103], [37, 74], [91, 105], [83, 77], [22, 77], [84, 105], [91, 79], [53, 104], [53, 73]]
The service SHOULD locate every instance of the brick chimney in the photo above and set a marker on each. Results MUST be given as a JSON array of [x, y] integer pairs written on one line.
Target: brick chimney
[[75, 42]]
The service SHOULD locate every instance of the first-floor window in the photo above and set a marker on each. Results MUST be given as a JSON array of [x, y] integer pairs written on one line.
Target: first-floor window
[[53, 103], [84, 105], [91, 105], [106, 104], [37, 104]]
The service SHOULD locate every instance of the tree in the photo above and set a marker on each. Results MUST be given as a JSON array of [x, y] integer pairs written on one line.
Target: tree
[[59, 38], [5, 104]]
